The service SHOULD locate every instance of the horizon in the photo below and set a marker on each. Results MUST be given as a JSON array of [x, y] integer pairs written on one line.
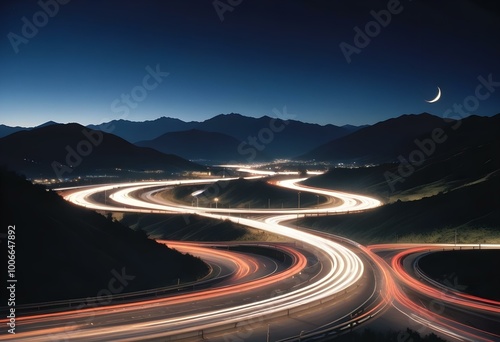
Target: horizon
[[248, 116]]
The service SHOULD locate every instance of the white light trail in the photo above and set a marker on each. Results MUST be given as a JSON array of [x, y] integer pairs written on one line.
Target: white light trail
[[345, 268]]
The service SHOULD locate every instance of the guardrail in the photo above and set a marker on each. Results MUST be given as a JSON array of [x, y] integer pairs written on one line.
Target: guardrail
[[328, 333], [205, 332], [319, 335]]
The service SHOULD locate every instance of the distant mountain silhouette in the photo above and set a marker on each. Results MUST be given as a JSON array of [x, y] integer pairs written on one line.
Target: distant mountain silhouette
[[60, 151], [274, 137], [352, 128], [134, 131], [469, 153], [381, 142], [199, 145], [278, 138], [48, 123], [454, 189], [6, 130]]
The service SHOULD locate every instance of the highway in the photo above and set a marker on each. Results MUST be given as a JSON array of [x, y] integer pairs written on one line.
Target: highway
[[267, 297], [324, 286], [428, 304]]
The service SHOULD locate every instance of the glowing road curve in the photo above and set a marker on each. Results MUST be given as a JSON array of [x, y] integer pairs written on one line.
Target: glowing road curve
[[342, 270]]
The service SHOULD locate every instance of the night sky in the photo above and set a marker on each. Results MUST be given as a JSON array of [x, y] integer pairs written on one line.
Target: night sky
[[263, 55]]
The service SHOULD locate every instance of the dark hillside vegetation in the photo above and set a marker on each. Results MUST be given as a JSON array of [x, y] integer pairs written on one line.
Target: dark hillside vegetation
[[64, 251], [469, 154], [468, 271], [71, 150], [473, 210]]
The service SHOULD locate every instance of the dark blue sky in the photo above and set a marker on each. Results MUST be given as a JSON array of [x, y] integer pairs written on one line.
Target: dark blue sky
[[263, 55]]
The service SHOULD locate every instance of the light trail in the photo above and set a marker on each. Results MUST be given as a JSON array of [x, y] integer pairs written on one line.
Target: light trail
[[420, 314], [451, 295], [343, 267]]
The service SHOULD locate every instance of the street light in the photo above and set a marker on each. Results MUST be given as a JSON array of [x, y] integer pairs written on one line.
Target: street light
[[298, 200], [216, 200]]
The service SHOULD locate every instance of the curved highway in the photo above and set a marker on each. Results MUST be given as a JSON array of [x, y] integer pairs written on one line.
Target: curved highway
[[285, 292], [326, 274], [430, 306]]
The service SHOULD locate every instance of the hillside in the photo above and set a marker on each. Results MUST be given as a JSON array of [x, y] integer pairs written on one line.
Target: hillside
[[6, 130], [455, 187], [469, 154], [474, 211], [134, 131], [277, 137], [255, 138], [183, 227], [471, 269], [199, 146], [64, 251], [379, 143], [60, 151]]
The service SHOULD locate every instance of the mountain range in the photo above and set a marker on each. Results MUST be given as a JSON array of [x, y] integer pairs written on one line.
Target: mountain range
[[443, 186], [200, 146], [272, 137], [467, 152], [231, 137]]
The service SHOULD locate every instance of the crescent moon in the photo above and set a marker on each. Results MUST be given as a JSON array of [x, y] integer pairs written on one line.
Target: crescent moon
[[436, 98]]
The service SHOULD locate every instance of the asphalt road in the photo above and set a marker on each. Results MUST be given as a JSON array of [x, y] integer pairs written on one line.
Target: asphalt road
[[330, 285], [300, 288]]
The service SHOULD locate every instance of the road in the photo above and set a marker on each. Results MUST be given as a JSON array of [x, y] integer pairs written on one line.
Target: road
[[286, 293], [432, 306]]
